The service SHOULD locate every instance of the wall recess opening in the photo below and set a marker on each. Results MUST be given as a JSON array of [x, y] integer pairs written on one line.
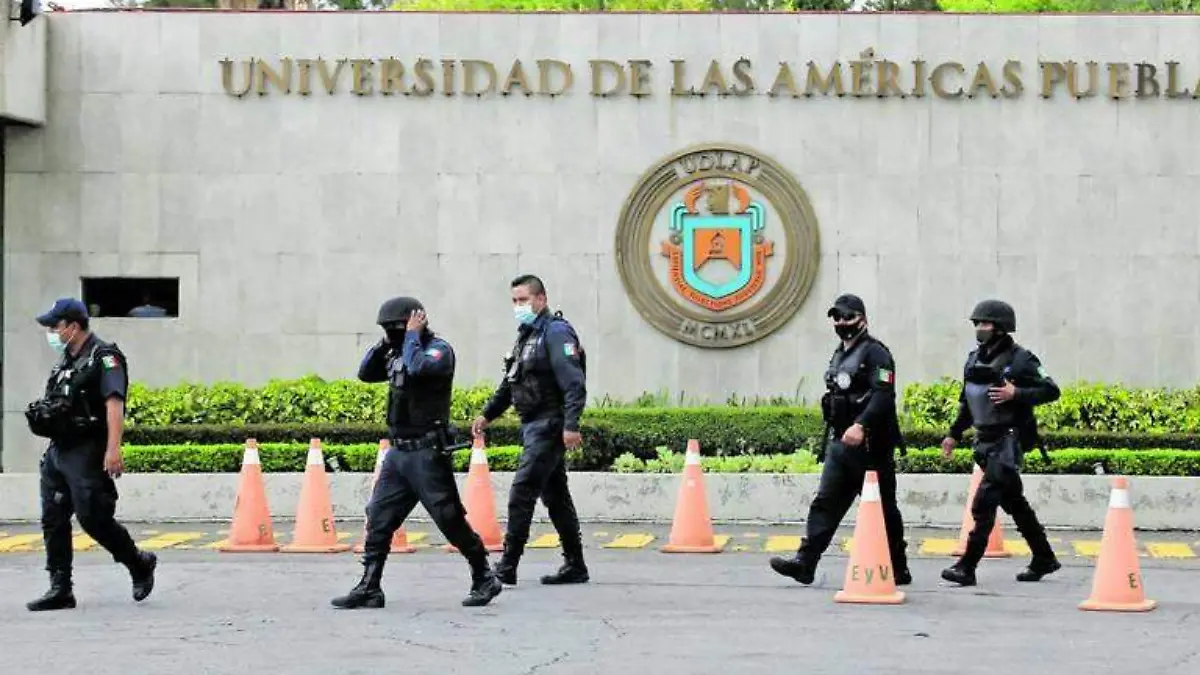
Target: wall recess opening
[[131, 297]]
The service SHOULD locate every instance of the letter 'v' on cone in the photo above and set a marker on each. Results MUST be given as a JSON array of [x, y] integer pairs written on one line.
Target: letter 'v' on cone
[[251, 530], [480, 501], [691, 530], [400, 539], [995, 545], [315, 532], [870, 578], [1117, 581]]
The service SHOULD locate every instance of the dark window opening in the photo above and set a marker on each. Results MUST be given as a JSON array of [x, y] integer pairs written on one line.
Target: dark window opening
[[135, 297]]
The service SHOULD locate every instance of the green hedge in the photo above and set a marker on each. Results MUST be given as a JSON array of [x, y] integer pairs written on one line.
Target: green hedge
[[290, 457]]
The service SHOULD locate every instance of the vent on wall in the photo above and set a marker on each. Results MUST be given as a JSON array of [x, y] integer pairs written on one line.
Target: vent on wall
[[133, 297]]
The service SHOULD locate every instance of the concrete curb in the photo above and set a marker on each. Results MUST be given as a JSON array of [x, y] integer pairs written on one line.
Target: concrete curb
[[927, 500]]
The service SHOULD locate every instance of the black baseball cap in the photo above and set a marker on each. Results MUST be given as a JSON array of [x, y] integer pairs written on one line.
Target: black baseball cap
[[847, 302], [64, 309]]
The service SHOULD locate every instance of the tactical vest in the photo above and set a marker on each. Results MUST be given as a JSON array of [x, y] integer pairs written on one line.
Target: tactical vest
[[978, 378], [847, 384], [71, 408], [530, 376], [416, 405]]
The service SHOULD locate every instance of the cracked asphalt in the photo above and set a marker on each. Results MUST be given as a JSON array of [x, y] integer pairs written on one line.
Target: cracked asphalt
[[644, 610]]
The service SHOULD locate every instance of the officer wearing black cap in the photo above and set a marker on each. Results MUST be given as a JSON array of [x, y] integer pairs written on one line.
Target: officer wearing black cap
[[862, 433], [544, 381], [1002, 383], [82, 412], [419, 368]]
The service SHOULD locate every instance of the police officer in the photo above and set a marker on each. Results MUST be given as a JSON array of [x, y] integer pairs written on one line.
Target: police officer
[[544, 381], [419, 368], [82, 412], [862, 433], [1002, 382]]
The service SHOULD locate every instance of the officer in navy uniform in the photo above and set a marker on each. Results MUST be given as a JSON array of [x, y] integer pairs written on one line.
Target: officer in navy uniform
[[419, 368], [862, 433], [544, 382], [1002, 383], [83, 414]]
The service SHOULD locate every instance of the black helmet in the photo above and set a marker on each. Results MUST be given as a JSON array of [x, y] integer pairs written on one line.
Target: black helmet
[[998, 312], [397, 310]]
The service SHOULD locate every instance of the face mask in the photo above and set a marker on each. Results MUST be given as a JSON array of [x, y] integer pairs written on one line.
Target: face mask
[[56, 342], [524, 314], [847, 332], [983, 335]]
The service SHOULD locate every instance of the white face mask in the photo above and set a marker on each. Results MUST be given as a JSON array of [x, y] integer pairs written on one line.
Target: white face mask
[[524, 314]]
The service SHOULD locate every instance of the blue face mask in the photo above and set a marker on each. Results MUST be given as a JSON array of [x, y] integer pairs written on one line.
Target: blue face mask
[[56, 342], [524, 314]]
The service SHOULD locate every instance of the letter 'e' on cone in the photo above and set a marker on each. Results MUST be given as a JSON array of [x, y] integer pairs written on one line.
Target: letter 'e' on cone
[[251, 531], [870, 578], [400, 539], [315, 532], [995, 545], [1117, 583], [480, 501], [691, 531]]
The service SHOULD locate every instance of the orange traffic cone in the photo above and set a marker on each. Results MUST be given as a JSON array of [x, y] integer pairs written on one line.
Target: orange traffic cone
[[400, 538], [995, 545], [870, 578], [481, 501], [1117, 583], [691, 531], [315, 532], [251, 529]]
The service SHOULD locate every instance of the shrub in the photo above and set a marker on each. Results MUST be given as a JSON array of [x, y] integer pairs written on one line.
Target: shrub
[[280, 457]]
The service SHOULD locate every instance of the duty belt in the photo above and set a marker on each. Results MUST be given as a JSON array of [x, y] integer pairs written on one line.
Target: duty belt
[[428, 441]]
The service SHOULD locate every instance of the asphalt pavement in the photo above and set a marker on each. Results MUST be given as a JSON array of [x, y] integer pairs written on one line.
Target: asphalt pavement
[[644, 610]]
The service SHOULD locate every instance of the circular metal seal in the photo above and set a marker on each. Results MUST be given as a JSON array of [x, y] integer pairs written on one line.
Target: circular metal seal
[[717, 246], [842, 380]]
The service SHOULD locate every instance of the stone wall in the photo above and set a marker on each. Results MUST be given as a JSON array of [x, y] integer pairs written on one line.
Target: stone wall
[[288, 218]]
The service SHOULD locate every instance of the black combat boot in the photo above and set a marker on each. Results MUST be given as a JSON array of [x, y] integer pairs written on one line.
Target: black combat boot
[[1038, 568], [142, 573], [960, 573], [60, 595], [506, 568], [903, 575], [796, 568], [484, 584], [573, 571], [367, 593]]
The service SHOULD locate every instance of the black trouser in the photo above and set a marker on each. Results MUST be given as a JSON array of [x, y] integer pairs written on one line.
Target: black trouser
[[841, 481], [427, 476], [74, 482], [1001, 486], [542, 472]]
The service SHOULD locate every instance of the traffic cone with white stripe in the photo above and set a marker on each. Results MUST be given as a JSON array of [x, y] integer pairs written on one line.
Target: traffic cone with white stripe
[[251, 530], [870, 578], [995, 545], [315, 531], [480, 501], [400, 538], [1117, 582], [691, 530]]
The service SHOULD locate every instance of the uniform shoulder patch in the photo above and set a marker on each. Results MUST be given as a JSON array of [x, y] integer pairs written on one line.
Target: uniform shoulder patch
[[1041, 370], [886, 376], [110, 361], [569, 349]]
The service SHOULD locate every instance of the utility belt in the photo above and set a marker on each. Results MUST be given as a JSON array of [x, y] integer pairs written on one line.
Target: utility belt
[[441, 440], [1025, 443]]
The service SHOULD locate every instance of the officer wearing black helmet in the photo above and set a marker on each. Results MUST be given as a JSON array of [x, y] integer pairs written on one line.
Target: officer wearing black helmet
[[1002, 383], [419, 368], [82, 412], [862, 433]]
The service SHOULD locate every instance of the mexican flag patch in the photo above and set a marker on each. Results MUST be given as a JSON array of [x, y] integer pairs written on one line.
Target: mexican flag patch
[[434, 353], [109, 362], [886, 376], [569, 349], [1042, 372]]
